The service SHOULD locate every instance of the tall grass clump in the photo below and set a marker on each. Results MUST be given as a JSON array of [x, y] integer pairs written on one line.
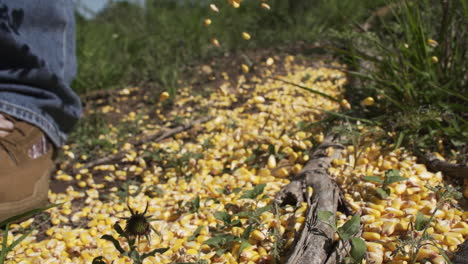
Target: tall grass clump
[[414, 65]]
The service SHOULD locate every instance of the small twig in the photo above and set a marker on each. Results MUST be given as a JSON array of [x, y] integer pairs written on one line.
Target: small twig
[[153, 138]]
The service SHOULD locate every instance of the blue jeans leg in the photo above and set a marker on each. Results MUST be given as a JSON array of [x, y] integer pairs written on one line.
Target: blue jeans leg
[[38, 64]]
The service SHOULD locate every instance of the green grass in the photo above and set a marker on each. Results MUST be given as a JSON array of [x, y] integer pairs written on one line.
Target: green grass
[[422, 84], [128, 45]]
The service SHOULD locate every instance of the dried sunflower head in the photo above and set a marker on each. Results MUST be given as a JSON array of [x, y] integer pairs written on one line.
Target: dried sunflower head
[[137, 225]]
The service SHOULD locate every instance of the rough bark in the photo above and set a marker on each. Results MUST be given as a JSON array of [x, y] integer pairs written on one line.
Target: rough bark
[[315, 243]]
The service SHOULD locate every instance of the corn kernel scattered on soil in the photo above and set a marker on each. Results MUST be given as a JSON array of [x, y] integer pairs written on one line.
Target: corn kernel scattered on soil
[[253, 119]]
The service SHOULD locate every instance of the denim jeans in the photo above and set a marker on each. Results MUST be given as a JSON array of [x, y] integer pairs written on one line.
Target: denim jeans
[[38, 64]]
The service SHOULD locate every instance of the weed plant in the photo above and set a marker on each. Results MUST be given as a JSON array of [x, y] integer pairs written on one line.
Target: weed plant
[[414, 63], [5, 248]]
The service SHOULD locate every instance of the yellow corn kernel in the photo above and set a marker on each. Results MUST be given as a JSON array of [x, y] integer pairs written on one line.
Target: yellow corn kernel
[[246, 36], [374, 247], [389, 227], [281, 173], [296, 168], [375, 257], [461, 230], [205, 248], [427, 252], [207, 22], [265, 6], [390, 211], [257, 235], [367, 219], [55, 221], [403, 224], [192, 251], [371, 211], [400, 188], [371, 236], [443, 226], [396, 203], [259, 99], [345, 104], [271, 162], [453, 239], [237, 231], [438, 237]]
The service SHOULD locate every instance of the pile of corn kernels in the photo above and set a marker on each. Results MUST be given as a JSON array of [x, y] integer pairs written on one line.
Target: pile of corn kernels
[[250, 117], [387, 220]]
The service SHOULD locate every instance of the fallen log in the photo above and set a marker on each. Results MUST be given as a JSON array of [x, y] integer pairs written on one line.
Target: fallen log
[[315, 244]]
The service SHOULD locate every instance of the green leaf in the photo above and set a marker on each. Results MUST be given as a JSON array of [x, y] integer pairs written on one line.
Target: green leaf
[[221, 240], [119, 230], [115, 242], [392, 173], [256, 191], [421, 221], [223, 216], [350, 228], [373, 179], [195, 205], [324, 216], [358, 249], [220, 251], [392, 179], [195, 234], [247, 231], [152, 253], [236, 222], [382, 193], [261, 210]]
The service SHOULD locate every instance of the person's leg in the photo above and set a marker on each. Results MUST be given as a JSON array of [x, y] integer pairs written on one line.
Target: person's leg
[[37, 64], [37, 105]]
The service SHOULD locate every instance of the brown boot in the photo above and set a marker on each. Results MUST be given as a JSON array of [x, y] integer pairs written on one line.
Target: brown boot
[[25, 165]]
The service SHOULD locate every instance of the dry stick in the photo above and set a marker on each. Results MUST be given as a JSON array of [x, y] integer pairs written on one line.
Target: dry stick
[[315, 243], [434, 164], [154, 138]]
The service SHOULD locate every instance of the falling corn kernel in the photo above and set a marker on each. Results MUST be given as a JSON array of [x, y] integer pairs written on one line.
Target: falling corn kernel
[[245, 68], [207, 22], [214, 8], [345, 104], [270, 61], [265, 6], [215, 42], [432, 43], [368, 101], [245, 35], [434, 59], [234, 3], [163, 96]]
